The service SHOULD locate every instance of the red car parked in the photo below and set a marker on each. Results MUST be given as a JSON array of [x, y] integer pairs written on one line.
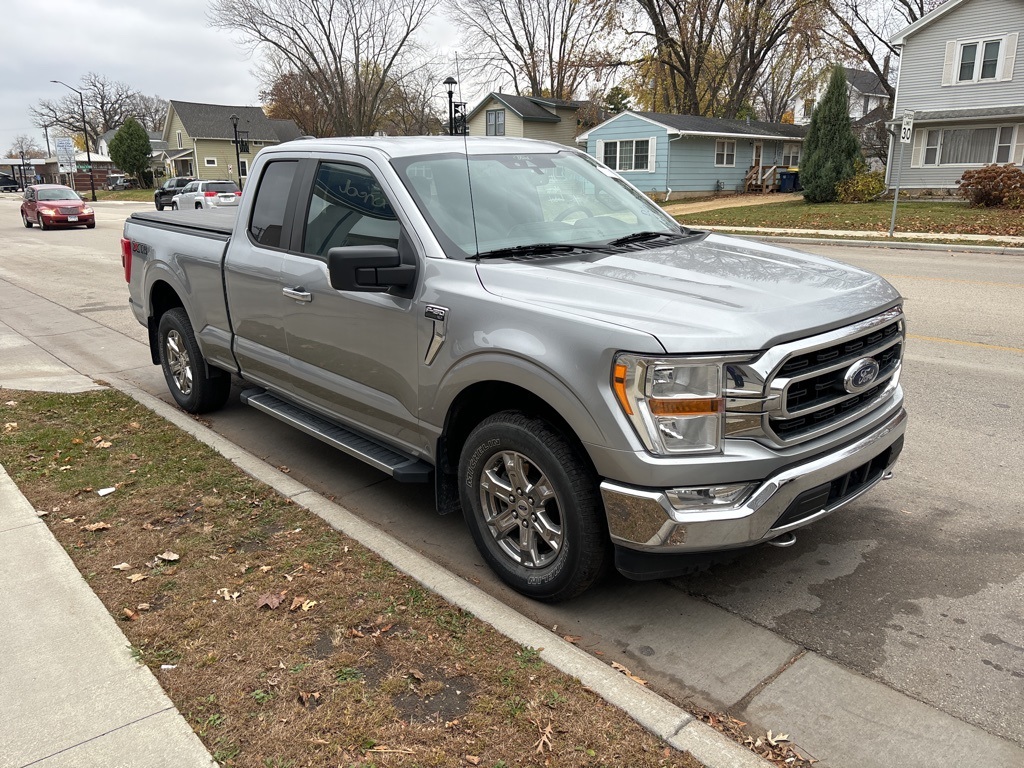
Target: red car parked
[[54, 205]]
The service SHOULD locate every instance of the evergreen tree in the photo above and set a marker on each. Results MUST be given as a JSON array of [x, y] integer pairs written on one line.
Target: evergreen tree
[[130, 149], [830, 150]]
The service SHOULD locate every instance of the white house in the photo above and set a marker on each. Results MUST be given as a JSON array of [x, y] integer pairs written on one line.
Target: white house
[[962, 74]]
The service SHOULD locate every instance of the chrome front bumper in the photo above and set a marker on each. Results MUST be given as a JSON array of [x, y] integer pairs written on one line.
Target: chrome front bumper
[[644, 519]]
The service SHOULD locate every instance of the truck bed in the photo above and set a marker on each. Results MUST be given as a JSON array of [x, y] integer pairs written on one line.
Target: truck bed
[[216, 222]]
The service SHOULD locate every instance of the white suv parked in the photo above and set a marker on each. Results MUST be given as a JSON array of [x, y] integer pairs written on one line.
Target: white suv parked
[[207, 194]]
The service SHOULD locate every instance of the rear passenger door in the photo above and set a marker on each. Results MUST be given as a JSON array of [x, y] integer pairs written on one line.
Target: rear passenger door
[[353, 354], [253, 281]]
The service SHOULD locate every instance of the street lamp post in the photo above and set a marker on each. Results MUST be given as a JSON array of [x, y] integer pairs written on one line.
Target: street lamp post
[[23, 185], [46, 134], [238, 157], [451, 82], [85, 135]]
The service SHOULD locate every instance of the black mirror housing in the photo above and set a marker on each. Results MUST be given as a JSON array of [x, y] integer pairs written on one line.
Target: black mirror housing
[[369, 268]]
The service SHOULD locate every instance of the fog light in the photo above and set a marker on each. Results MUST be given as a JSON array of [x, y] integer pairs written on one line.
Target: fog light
[[709, 497]]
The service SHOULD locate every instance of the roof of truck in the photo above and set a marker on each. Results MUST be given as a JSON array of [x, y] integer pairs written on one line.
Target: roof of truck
[[409, 146]]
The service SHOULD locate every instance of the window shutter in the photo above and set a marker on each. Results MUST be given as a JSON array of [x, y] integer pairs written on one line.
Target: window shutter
[[1010, 57], [917, 154], [600, 151], [652, 153], [949, 63], [1018, 150]]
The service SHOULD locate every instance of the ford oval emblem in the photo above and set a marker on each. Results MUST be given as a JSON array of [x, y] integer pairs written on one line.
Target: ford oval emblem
[[861, 375]]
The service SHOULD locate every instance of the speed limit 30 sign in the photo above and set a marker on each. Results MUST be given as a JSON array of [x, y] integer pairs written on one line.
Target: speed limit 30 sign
[[907, 131]]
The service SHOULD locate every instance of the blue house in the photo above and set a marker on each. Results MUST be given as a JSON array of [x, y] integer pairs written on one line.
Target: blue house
[[685, 155]]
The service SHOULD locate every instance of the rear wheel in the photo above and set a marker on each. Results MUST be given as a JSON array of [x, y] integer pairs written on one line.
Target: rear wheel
[[196, 386], [532, 504]]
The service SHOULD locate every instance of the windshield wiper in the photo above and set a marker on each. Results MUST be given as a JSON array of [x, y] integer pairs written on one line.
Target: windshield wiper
[[639, 237], [534, 249]]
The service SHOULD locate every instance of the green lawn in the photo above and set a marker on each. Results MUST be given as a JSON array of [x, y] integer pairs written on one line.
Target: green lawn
[[948, 217], [137, 195]]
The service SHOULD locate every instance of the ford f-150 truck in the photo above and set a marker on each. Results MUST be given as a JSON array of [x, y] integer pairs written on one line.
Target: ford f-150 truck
[[512, 323]]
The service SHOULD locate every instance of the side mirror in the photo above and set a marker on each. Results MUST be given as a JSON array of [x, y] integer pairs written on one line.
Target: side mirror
[[369, 268]]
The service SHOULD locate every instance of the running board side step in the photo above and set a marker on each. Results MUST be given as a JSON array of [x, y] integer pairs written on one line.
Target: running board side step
[[403, 468]]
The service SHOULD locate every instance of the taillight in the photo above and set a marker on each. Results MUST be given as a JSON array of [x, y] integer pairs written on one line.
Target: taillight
[[209, 194], [126, 258], [238, 193]]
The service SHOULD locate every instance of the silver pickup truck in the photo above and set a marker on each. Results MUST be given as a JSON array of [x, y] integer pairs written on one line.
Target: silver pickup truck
[[512, 323]]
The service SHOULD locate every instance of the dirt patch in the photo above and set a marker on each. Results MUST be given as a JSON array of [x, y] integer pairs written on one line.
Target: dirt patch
[[281, 641]]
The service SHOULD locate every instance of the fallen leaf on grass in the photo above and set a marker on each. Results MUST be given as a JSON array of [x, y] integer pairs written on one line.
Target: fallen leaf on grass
[[417, 674], [309, 700], [627, 673], [574, 639], [10, 426], [130, 614], [271, 599], [472, 759], [137, 577], [228, 594], [151, 527], [143, 606], [95, 527], [121, 567], [169, 556], [103, 444], [545, 737], [265, 568]]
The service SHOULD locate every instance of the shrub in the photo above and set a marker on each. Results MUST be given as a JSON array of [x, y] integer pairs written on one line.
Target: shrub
[[993, 186], [866, 185], [830, 150]]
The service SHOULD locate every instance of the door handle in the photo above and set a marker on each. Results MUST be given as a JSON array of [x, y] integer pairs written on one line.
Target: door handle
[[297, 293]]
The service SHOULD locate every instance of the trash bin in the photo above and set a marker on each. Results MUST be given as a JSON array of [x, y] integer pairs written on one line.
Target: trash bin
[[787, 181]]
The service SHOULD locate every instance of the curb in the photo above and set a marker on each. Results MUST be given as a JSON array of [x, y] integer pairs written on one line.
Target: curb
[[661, 717], [1004, 250]]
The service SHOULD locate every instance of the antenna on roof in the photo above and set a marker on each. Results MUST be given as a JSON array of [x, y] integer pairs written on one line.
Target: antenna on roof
[[464, 130]]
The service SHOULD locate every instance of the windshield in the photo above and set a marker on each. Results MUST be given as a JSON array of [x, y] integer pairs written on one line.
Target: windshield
[[60, 193], [525, 199]]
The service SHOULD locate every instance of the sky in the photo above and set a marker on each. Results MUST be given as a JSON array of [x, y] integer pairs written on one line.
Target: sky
[[164, 49]]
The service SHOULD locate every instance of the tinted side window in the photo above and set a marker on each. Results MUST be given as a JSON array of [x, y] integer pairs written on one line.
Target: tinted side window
[[348, 207], [271, 200]]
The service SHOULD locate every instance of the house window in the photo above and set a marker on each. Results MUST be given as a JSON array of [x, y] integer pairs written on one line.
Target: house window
[[180, 146], [495, 122], [791, 154], [725, 153], [210, 162], [631, 155], [1004, 144], [243, 168], [979, 60], [867, 105], [968, 146], [931, 147], [808, 106]]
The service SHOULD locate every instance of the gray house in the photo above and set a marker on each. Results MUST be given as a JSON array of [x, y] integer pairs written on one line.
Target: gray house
[[866, 93], [686, 155], [962, 74]]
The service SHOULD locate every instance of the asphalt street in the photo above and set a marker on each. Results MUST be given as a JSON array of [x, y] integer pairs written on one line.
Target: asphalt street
[[919, 586]]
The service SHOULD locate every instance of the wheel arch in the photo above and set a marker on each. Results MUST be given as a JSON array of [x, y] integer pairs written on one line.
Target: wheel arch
[[162, 297]]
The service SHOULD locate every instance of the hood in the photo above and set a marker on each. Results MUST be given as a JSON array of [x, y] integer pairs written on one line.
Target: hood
[[717, 294]]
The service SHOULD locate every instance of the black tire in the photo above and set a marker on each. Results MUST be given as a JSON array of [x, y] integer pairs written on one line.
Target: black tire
[[562, 546], [25, 221], [91, 226], [40, 222], [159, 205], [195, 386]]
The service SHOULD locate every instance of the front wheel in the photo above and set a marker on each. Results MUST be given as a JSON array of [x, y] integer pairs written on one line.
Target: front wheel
[[159, 205], [532, 504], [40, 221], [25, 221], [195, 386], [174, 206]]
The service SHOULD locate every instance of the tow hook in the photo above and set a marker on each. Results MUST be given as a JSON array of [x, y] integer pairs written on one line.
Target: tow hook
[[887, 475], [783, 541]]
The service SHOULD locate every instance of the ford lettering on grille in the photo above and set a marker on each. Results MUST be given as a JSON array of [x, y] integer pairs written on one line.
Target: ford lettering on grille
[[861, 375]]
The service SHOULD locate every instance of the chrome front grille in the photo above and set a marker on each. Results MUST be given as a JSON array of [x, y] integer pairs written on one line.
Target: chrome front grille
[[68, 211], [802, 390]]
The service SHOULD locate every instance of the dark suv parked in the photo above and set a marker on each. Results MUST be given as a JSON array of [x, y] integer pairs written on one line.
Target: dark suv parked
[[162, 196]]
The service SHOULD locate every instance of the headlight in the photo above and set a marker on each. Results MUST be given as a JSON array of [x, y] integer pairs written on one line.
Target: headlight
[[47, 211], [87, 210], [675, 404]]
